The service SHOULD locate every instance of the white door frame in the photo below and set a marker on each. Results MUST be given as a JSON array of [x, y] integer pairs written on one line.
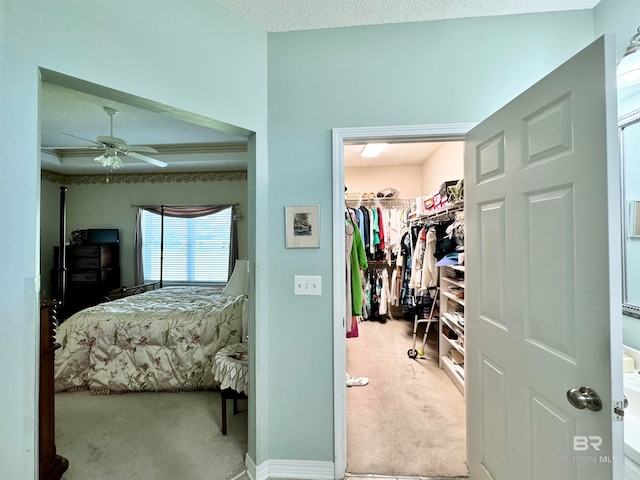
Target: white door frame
[[340, 137]]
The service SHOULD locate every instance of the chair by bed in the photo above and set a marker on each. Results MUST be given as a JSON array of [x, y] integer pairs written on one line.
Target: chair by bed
[[160, 340]]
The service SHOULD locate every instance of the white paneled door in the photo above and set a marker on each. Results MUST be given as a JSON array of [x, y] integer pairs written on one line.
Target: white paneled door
[[542, 183]]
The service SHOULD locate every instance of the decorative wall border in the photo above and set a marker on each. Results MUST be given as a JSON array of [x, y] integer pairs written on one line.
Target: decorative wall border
[[181, 177]]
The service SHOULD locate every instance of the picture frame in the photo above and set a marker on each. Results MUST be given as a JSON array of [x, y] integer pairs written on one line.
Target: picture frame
[[302, 226]]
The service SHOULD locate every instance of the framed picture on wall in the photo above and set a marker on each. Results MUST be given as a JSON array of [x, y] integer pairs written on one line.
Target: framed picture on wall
[[302, 226]]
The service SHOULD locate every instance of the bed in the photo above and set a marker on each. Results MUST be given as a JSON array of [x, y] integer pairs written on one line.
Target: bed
[[159, 340]]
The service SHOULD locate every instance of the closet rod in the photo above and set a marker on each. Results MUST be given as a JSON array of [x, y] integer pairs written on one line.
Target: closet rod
[[381, 200]]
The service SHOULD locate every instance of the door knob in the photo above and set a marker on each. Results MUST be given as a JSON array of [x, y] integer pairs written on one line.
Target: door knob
[[584, 397]]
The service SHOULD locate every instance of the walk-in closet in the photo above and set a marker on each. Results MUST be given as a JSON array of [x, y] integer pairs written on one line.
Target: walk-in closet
[[404, 284]]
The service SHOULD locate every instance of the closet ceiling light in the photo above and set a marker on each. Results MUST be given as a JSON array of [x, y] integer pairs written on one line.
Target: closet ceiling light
[[628, 71], [371, 150]]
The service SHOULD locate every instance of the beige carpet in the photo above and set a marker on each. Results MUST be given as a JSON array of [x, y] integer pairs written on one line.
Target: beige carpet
[[410, 419], [143, 436]]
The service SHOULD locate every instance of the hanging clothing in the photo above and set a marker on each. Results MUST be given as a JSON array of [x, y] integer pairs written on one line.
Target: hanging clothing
[[381, 243], [406, 292], [393, 289], [366, 232], [375, 231], [444, 243], [358, 260], [384, 293], [377, 293], [455, 231], [392, 233], [352, 327], [348, 246], [366, 307], [418, 257], [429, 269], [381, 228]]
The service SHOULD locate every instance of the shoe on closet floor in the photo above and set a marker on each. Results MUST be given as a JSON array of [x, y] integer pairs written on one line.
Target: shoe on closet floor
[[357, 381]]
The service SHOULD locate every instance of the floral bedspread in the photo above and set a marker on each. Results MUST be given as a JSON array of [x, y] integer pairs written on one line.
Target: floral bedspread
[[164, 339]]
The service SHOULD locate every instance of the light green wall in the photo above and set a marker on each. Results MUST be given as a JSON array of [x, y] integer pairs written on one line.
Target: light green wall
[[193, 55], [109, 206], [454, 71]]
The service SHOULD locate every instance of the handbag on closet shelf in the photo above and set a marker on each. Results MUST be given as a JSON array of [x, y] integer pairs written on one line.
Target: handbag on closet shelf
[[388, 193], [456, 192]]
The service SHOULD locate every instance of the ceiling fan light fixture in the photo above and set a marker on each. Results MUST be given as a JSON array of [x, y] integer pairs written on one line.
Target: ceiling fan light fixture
[[628, 70], [109, 159]]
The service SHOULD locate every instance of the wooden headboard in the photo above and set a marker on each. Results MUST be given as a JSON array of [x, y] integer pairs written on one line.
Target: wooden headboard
[[128, 291]]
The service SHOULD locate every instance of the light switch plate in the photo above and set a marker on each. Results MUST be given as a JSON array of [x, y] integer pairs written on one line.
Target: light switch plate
[[307, 285]]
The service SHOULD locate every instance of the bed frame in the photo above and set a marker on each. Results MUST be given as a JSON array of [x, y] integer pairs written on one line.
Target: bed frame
[[51, 465], [128, 291]]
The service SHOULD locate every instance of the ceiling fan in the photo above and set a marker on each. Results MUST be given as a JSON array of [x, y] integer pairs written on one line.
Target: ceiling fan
[[113, 146]]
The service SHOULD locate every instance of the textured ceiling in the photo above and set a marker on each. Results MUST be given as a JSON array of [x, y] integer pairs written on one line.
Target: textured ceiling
[[290, 15]]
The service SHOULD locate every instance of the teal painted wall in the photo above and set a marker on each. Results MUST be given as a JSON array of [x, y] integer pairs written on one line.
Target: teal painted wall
[[452, 71]]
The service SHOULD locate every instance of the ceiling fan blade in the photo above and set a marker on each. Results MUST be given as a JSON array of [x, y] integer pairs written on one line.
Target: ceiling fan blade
[[80, 138], [141, 149], [144, 158], [88, 147]]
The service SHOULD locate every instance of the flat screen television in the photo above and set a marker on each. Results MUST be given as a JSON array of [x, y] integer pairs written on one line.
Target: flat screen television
[[101, 235]]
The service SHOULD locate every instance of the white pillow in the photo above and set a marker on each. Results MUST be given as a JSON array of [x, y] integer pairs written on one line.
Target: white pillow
[[238, 284]]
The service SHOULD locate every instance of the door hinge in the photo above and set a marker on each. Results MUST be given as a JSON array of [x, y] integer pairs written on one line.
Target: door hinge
[[618, 409]]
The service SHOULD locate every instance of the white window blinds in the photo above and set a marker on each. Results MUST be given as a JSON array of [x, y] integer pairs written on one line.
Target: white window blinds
[[196, 250]]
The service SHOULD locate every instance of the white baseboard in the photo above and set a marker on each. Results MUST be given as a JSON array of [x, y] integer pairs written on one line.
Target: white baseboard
[[297, 469], [251, 466]]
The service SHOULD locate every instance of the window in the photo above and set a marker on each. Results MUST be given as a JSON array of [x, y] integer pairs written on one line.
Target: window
[[196, 250]]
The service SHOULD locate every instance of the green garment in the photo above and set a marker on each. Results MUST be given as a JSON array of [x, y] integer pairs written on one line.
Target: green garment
[[358, 261], [375, 228]]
